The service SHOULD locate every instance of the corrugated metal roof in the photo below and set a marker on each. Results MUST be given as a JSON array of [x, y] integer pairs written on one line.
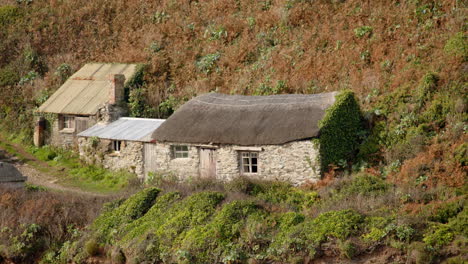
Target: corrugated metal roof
[[126, 128], [86, 90]]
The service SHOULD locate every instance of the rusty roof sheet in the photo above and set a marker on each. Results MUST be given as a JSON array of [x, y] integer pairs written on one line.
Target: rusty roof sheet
[[86, 90], [126, 128]]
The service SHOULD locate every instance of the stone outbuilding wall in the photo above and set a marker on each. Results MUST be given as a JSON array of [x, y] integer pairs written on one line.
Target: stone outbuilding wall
[[99, 151], [57, 136], [294, 162]]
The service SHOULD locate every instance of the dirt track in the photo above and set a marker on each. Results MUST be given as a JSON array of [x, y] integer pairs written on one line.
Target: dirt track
[[29, 166]]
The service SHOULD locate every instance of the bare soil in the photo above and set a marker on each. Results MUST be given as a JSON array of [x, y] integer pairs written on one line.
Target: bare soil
[[31, 167]]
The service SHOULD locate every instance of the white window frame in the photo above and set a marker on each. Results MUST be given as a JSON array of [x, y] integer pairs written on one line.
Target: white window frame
[[179, 151], [247, 164], [117, 145], [67, 123]]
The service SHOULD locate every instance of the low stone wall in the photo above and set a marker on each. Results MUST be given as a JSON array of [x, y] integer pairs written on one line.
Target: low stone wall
[[294, 162], [99, 151]]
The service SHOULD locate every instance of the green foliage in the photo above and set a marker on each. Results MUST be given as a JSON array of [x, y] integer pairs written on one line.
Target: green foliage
[[438, 235], [63, 71], [427, 87], [138, 105], [24, 245], [275, 192], [107, 225], [446, 211], [29, 78], [308, 235], [8, 76], [46, 153], [363, 31], [366, 184], [339, 130], [207, 63], [457, 45], [461, 154], [8, 15], [92, 248]]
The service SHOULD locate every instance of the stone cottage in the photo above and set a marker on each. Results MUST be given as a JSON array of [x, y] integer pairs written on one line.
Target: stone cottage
[[224, 136], [93, 94], [118, 145], [10, 176]]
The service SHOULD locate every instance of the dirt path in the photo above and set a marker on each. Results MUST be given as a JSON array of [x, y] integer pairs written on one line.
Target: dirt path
[[31, 167]]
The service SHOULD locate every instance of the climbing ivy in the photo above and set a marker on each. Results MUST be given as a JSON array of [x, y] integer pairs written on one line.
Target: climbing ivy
[[339, 130]]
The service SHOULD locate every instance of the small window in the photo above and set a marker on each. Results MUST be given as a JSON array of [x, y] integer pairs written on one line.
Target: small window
[[179, 151], [67, 122], [116, 145], [249, 162]]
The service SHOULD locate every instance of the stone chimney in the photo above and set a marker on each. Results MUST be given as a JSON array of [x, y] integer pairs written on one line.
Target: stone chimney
[[116, 88]]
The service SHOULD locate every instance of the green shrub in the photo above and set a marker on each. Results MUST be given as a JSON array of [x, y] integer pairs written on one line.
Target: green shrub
[[438, 235], [92, 247], [8, 15], [366, 184], [108, 223], [363, 31], [8, 77], [207, 63], [461, 154], [310, 234], [426, 88], [457, 45], [347, 249], [446, 211], [339, 130], [285, 194], [419, 254]]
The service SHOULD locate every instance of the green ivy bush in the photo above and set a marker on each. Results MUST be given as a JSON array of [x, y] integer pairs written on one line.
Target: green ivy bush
[[133, 208], [340, 129]]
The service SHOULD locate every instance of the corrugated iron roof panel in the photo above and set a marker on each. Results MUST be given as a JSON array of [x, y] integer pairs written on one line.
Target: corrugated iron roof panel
[[86, 90], [126, 128]]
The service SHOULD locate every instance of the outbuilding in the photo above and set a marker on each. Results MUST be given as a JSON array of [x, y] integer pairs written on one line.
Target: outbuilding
[[10, 176], [93, 94], [274, 137], [120, 144]]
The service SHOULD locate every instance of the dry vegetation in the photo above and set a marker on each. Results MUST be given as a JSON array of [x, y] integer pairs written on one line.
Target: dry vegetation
[[33, 221], [405, 60]]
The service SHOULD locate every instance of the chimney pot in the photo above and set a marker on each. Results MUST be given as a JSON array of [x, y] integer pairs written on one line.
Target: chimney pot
[[116, 89]]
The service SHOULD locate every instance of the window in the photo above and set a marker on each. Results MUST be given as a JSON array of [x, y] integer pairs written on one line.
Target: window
[[249, 162], [179, 151], [67, 122], [116, 145]]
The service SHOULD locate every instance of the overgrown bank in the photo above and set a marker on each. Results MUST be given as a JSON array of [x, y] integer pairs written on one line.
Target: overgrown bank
[[266, 222]]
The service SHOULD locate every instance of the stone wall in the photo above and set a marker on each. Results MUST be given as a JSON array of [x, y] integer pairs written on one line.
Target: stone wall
[[63, 138], [294, 162], [161, 161], [67, 139], [99, 151]]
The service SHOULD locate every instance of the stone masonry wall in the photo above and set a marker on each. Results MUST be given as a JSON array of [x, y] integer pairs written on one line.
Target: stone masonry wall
[[99, 151], [294, 162], [183, 168], [64, 138]]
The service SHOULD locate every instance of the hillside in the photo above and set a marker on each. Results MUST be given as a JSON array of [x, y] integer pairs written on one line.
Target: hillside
[[404, 191]]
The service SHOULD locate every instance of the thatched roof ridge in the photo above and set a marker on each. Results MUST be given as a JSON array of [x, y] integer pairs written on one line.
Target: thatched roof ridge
[[246, 120]]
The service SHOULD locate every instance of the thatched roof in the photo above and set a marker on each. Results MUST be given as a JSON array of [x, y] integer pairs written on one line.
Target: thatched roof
[[246, 120], [8, 173]]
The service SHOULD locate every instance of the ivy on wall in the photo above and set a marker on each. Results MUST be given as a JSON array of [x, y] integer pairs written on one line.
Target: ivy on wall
[[339, 130]]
